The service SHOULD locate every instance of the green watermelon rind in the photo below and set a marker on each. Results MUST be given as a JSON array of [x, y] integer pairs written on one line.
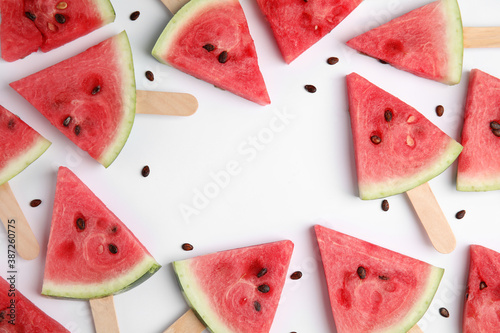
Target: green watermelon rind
[[396, 186], [106, 10], [22, 161], [134, 277], [196, 297], [455, 42], [129, 101]]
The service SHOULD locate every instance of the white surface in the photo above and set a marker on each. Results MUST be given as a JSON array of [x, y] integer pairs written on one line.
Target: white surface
[[298, 173]]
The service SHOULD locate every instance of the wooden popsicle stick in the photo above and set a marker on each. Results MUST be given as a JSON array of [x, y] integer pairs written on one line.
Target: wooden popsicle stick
[[15, 223], [430, 214], [477, 37], [165, 103], [174, 5], [415, 329], [187, 323], [103, 312]]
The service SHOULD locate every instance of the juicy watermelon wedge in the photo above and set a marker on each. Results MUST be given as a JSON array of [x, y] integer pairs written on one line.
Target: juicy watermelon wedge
[[90, 97], [482, 296], [19, 143], [210, 40], [236, 290], [90, 253], [478, 168], [297, 25], [411, 150], [31, 24], [373, 289], [427, 42], [25, 317]]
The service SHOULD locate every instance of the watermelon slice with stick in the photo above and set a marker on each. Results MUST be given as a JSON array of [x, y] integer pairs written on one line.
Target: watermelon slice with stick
[[478, 168], [297, 25], [28, 25], [482, 295], [235, 290], [210, 40], [427, 42], [19, 314], [371, 288]]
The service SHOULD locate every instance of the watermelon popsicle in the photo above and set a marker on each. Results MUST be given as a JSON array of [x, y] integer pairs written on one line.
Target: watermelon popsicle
[[398, 150]]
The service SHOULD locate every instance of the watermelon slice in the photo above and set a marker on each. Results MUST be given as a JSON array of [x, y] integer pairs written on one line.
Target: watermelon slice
[[396, 147], [297, 25], [427, 42], [31, 24], [19, 143], [90, 253], [23, 316], [478, 168], [482, 296], [90, 97], [210, 40], [236, 290], [373, 289]]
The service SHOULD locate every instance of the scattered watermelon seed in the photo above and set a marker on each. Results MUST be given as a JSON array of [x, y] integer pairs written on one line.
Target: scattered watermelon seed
[[409, 141], [496, 132], [410, 119], [223, 57], [77, 129], [444, 312], [31, 16], [114, 229], [383, 277], [310, 88], [383, 61], [112, 248], [209, 47], [60, 18], [376, 139], [187, 247], [80, 223], [51, 26], [439, 110], [460, 214], [145, 171], [361, 272], [67, 121], [296, 275], [482, 285], [256, 306], [150, 76], [385, 205], [135, 15], [262, 272], [96, 90], [11, 124], [35, 202], [332, 60], [495, 125], [263, 288], [388, 115], [62, 5]]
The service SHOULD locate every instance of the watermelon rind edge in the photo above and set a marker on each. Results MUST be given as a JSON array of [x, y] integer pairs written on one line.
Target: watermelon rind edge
[[24, 160], [140, 273], [455, 41], [106, 11]]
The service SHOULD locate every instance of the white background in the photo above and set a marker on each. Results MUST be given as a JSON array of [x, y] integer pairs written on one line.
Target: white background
[[301, 174]]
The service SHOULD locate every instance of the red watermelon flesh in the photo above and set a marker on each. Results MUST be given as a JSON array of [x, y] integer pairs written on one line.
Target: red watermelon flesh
[[482, 298], [19, 37], [373, 289], [236, 290], [427, 42], [24, 317], [478, 168], [90, 97], [90, 253], [411, 150], [19, 143], [210, 40], [297, 25]]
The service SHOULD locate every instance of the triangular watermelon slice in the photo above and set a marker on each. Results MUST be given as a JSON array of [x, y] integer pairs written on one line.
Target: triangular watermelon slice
[[371, 288], [20, 145], [236, 290], [90, 253], [23, 315], [427, 42], [297, 25], [31, 24], [482, 296], [210, 40], [478, 168], [90, 97], [395, 146]]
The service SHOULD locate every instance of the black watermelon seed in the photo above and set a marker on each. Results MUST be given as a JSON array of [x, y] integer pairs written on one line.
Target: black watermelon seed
[[383, 277], [495, 125], [80, 223], [496, 132], [385, 205], [383, 61], [114, 229], [150, 76], [35, 202], [361, 272], [482, 285], [310, 88], [388, 115], [31, 16], [145, 171], [11, 124], [209, 47], [376, 139], [460, 214], [223, 57], [444, 312], [296, 275], [67, 121], [77, 129], [112, 248], [332, 60], [262, 272], [187, 247], [135, 15], [60, 18], [466, 296], [96, 90], [256, 306], [439, 110], [263, 288]]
